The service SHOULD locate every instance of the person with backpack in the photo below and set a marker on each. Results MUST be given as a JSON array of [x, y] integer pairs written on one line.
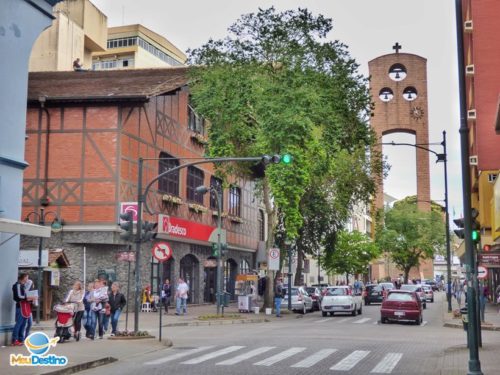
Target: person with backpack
[[23, 309]]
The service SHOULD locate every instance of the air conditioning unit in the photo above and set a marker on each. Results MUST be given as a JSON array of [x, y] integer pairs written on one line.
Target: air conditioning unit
[[471, 114], [492, 177], [468, 26], [473, 160], [469, 70]]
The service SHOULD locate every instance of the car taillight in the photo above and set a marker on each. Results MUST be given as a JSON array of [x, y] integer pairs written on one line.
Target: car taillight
[[349, 292]]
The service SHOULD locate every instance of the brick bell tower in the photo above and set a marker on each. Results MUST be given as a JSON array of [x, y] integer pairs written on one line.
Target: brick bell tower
[[399, 90]]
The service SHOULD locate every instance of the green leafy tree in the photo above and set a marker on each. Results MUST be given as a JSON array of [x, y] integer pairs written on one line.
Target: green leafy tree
[[410, 235], [353, 253], [276, 85]]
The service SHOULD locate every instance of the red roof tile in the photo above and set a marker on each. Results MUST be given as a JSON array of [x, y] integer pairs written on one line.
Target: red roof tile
[[105, 85]]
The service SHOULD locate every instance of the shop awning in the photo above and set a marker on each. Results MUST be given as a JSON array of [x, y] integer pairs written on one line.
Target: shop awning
[[20, 227]]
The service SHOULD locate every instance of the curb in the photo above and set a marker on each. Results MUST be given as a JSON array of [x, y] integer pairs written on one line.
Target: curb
[[460, 326], [216, 323], [83, 366]]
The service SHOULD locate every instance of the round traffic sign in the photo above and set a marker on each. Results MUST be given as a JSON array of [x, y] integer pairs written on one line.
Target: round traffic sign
[[162, 251], [274, 253], [482, 272]]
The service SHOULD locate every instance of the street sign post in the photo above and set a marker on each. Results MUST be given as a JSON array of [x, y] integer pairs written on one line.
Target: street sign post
[[161, 252], [274, 259], [482, 272]]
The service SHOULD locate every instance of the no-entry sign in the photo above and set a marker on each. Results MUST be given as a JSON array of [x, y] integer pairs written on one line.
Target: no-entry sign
[[162, 251], [482, 272]]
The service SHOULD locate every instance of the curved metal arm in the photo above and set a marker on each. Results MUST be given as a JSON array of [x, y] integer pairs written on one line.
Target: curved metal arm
[[204, 161]]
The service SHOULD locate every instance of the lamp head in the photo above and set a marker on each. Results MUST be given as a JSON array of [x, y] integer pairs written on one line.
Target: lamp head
[[201, 190]]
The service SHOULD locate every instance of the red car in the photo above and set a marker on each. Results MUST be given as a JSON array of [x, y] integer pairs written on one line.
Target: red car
[[401, 306]]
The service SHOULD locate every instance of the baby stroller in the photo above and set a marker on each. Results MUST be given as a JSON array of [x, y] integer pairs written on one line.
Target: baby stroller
[[64, 320]]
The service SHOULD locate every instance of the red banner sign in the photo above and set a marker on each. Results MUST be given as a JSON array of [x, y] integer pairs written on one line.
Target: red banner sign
[[181, 228], [489, 259]]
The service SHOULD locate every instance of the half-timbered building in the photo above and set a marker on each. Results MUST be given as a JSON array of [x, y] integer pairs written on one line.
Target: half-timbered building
[[85, 134]]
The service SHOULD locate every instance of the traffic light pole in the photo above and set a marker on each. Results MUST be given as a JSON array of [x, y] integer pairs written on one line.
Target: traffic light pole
[[448, 247], [474, 363], [219, 252], [140, 202]]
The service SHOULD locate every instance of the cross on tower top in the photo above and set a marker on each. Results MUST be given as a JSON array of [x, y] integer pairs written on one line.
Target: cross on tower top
[[397, 47]]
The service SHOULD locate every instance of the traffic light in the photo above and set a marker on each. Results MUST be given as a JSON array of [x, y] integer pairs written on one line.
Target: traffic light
[[127, 225], [475, 225], [460, 232], [147, 231], [475, 234], [223, 248], [215, 250], [486, 248], [286, 159]]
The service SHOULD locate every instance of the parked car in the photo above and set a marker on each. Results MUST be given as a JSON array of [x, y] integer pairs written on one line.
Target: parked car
[[301, 301], [387, 286], [315, 294], [432, 284], [341, 299], [429, 293], [401, 305], [418, 289], [373, 294]]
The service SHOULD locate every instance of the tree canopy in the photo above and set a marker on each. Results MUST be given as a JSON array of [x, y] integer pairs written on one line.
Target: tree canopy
[[353, 253], [410, 235], [276, 84]]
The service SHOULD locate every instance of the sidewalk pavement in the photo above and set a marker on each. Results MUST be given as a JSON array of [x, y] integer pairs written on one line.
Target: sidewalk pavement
[[455, 359], [491, 316], [92, 353]]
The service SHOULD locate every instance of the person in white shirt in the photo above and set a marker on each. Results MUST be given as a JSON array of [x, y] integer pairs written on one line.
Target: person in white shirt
[[181, 296]]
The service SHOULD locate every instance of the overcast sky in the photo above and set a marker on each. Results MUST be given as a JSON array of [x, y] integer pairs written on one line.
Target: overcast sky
[[369, 28]]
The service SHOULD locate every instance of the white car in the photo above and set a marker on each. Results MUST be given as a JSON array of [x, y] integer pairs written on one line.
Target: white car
[[341, 299]]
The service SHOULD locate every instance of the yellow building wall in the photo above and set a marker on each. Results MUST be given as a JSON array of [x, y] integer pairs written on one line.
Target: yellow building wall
[[495, 211], [58, 46], [144, 59], [485, 190]]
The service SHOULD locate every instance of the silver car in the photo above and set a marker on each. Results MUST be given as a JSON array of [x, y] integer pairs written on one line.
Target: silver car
[[301, 301]]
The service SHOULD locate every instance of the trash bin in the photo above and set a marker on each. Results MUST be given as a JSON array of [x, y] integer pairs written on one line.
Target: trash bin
[[465, 318], [224, 299]]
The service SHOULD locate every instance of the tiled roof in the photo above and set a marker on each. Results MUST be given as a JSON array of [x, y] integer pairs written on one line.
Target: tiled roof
[[58, 256], [105, 85]]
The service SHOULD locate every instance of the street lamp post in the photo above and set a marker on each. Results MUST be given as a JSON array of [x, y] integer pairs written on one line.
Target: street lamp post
[[444, 159], [288, 245], [56, 224], [217, 192]]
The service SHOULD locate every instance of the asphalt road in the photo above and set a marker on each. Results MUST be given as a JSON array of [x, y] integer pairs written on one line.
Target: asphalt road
[[309, 344]]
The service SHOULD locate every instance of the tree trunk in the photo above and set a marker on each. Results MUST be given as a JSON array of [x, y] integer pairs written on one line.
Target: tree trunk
[[271, 222], [298, 270], [407, 272]]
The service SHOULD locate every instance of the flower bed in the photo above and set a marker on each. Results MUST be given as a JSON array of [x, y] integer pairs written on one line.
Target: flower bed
[[198, 208], [171, 199]]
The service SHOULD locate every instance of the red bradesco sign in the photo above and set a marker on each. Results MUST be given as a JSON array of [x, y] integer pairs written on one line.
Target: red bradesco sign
[[181, 228]]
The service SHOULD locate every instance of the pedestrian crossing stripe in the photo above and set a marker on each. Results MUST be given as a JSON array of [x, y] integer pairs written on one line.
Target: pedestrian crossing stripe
[[385, 366]]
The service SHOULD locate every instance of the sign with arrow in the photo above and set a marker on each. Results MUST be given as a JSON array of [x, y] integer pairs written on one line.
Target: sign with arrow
[[482, 272], [162, 252]]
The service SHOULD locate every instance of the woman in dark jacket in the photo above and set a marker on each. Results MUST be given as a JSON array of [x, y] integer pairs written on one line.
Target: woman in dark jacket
[[166, 294], [116, 302]]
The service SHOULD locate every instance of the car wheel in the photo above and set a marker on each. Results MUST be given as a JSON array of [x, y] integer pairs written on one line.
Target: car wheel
[[324, 313], [432, 300], [383, 320], [354, 312], [367, 303], [332, 314], [425, 306]]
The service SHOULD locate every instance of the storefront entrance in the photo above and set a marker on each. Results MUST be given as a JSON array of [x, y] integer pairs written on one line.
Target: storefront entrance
[[189, 270], [210, 274], [230, 271]]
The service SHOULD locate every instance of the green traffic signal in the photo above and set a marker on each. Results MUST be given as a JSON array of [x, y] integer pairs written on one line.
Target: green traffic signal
[[286, 159], [475, 235]]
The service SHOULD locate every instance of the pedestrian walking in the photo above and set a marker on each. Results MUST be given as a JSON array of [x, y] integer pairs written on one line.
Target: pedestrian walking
[[98, 298], [166, 293], [483, 298], [116, 302], [76, 295], [87, 311], [278, 296], [23, 309], [181, 296]]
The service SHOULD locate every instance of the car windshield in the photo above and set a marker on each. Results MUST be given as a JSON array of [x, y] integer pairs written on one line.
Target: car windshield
[[295, 291], [374, 288], [402, 297], [311, 290], [336, 292], [427, 288], [411, 288], [387, 285]]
